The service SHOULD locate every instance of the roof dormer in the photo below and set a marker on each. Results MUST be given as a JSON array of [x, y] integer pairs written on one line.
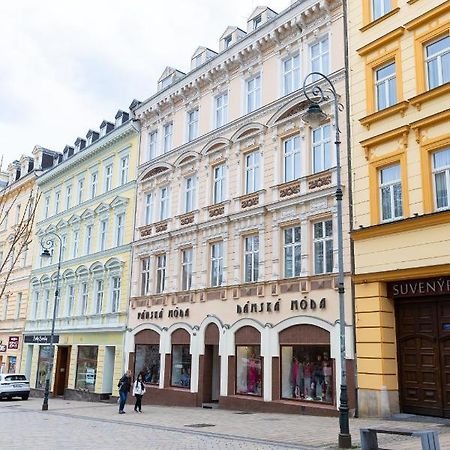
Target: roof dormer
[[91, 137], [259, 16], [44, 158], [80, 144], [168, 77], [68, 152], [201, 55], [230, 37], [26, 165], [105, 128], [13, 171], [121, 117], [134, 104]]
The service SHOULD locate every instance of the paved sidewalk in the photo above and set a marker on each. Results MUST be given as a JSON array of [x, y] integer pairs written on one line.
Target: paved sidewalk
[[81, 425]]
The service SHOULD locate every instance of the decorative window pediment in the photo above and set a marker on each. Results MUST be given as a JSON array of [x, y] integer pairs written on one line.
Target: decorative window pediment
[[88, 214], [293, 108], [96, 269], [82, 272], [156, 171], [216, 144], [68, 274], [74, 220], [101, 208], [61, 224], [114, 266], [119, 202], [250, 129]]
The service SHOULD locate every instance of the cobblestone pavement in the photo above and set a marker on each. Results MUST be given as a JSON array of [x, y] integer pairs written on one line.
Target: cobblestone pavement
[[80, 425]]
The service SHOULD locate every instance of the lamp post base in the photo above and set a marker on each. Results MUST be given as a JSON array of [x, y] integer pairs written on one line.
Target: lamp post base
[[45, 407], [345, 441]]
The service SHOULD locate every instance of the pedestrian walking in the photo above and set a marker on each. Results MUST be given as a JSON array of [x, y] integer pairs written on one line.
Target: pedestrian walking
[[124, 387], [138, 392]]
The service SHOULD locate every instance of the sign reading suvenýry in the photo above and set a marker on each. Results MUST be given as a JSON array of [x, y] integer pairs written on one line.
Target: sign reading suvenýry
[[419, 288]]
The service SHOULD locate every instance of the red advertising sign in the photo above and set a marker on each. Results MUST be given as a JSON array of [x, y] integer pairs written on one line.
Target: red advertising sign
[[13, 343]]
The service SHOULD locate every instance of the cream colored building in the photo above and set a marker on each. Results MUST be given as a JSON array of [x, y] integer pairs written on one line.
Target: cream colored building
[[88, 201], [18, 195], [234, 294], [400, 98]]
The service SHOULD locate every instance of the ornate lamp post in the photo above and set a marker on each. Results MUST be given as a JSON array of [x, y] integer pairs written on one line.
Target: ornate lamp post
[[47, 244], [314, 117]]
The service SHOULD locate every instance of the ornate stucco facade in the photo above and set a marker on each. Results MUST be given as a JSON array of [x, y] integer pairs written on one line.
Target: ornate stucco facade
[[88, 200], [400, 94], [234, 260]]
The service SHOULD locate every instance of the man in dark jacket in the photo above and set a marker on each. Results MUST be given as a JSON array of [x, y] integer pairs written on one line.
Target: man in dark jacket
[[124, 387]]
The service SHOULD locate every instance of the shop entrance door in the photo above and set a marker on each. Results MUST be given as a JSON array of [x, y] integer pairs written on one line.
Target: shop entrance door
[[62, 370], [211, 374], [423, 341]]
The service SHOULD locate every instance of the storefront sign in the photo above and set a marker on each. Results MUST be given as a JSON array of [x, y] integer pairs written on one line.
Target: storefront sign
[[13, 343], [40, 339], [2, 348], [308, 304], [419, 288], [175, 313], [258, 307]]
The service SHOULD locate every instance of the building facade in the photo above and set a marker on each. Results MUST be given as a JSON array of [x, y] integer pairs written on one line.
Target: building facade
[[18, 203], [88, 202], [400, 60], [234, 293]]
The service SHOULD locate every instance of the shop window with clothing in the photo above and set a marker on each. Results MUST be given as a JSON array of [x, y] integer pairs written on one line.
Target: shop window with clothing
[[43, 365], [147, 362], [248, 370], [86, 367], [307, 371], [181, 366]]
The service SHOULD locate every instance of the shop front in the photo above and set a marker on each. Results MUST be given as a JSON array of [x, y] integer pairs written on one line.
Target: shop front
[[277, 354], [10, 348]]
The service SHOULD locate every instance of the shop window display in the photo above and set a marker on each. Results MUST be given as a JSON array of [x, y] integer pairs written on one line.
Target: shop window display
[[147, 363], [181, 366], [43, 365], [248, 370], [86, 367], [307, 373]]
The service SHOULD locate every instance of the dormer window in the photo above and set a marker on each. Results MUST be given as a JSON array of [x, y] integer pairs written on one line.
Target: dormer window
[[198, 61], [166, 82], [121, 117], [91, 137], [103, 131], [227, 40], [257, 21], [79, 145]]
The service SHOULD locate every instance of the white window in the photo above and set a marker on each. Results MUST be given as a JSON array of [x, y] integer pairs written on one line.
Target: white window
[[380, 8], [70, 299], [323, 247], [103, 131], [291, 74], [437, 57], [115, 294], [221, 110], [120, 223], [148, 208], [189, 194], [46, 206], [321, 148], [291, 158], [227, 40], [108, 177], [80, 190], [441, 178], [160, 273], [320, 57], [167, 138], [83, 298], [385, 86], [98, 296], [57, 201], [292, 252], [35, 304], [103, 234], [216, 264], [94, 183], [17, 214], [186, 269], [252, 172], [75, 241], [391, 193], [5, 307], [124, 169], [145, 276], [88, 240], [163, 203], [46, 309], [192, 124], [251, 258], [63, 246], [253, 93], [219, 180], [152, 144], [68, 196], [257, 21], [19, 299]]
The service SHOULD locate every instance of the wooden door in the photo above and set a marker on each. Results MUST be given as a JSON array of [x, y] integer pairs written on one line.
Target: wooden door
[[443, 308], [207, 374], [62, 369], [420, 352]]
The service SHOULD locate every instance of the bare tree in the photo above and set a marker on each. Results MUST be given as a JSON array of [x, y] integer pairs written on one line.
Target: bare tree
[[20, 234]]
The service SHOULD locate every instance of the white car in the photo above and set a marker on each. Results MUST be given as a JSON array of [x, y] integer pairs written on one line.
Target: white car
[[14, 385]]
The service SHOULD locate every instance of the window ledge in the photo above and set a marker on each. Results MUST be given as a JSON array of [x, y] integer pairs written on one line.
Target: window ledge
[[379, 20], [400, 107], [425, 97]]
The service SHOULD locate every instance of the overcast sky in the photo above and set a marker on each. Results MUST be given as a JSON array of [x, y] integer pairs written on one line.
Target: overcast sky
[[67, 65]]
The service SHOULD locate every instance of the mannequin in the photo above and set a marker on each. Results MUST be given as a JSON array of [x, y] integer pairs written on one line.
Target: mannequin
[[318, 378], [328, 377], [307, 372], [252, 376]]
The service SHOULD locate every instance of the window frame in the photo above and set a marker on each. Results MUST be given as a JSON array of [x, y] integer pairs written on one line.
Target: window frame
[[293, 246], [294, 156], [319, 41], [292, 73], [167, 137], [219, 183], [321, 145], [222, 108], [216, 262], [323, 241], [252, 169], [187, 268], [446, 171], [438, 55], [161, 273], [190, 190], [254, 255], [115, 286], [255, 92], [145, 275], [192, 124], [152, 145], [391, 186], [384, 85], [164, 203]]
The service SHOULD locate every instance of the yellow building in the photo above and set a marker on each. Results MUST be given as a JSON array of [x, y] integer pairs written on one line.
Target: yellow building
[[88, 201], [400, 61]]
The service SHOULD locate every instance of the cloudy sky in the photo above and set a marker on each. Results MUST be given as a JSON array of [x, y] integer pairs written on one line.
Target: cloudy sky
[[67, 65]]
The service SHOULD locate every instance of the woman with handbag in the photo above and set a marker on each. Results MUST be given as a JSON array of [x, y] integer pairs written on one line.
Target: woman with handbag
[[138, 392]]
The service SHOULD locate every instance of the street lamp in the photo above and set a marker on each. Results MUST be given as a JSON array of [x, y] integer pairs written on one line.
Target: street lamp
[[314, 116], [48, 243]]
